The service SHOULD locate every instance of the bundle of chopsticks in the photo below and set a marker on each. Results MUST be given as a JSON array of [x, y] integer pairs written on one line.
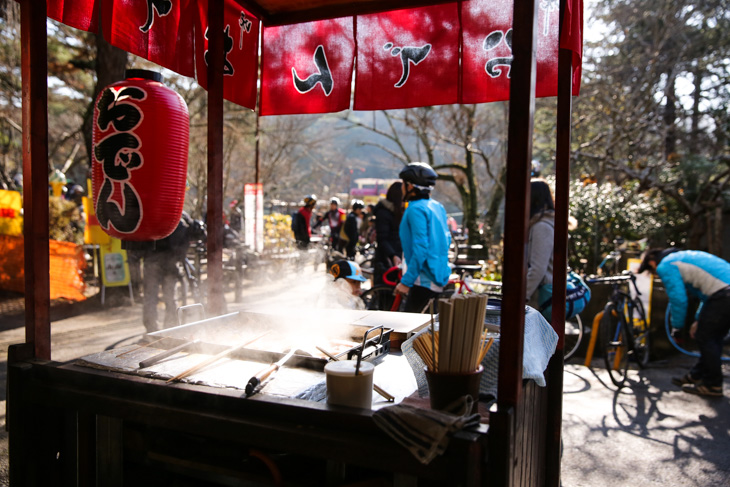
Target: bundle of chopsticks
[[461, 342]]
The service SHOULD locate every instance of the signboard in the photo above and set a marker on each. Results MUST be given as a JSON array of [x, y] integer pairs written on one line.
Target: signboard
[[11, 218], [93, 233], [253, 202], [114, 265]]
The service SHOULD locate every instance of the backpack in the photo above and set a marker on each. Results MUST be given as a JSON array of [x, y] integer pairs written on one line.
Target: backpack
[[297, 222], [577, 296]]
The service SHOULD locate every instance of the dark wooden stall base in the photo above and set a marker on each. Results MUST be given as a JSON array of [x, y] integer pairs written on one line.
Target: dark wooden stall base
[[82, 426]]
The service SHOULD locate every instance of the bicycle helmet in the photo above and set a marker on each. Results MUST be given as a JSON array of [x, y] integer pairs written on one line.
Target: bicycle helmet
[[335, 200], [348, 270], [357, 205], [310, 200], [420, 174]]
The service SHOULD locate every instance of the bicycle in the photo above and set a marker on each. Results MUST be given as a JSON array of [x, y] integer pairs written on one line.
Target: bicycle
[[680, 339], [382, 297], [188, 281], [623, 327], [574, 329]]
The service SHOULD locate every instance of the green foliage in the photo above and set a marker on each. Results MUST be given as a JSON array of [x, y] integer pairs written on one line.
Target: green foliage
[[609, 211], [65, 221]]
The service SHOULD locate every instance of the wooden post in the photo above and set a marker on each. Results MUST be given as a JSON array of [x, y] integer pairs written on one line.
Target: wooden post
[[560, 260], [216, 299], [35, 177], [519, 158]]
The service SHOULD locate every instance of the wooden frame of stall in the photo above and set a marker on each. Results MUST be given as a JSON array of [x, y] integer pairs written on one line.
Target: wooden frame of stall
[[70, 426]]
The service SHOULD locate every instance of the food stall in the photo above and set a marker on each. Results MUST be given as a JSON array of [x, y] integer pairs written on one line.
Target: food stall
[[71, 424]]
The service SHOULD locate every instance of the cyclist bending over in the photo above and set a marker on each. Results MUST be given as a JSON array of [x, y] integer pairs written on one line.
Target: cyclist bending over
[[707, 277]]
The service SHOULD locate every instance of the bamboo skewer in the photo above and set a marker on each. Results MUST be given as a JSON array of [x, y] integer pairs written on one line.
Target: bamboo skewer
[[485, 349], [214, 358]]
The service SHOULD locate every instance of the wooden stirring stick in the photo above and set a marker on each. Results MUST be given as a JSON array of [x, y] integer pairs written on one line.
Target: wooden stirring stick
[[214, 358], [141, 346]]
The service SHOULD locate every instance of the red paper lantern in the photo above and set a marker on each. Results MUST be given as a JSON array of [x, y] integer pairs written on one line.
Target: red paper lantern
[[140, 157]]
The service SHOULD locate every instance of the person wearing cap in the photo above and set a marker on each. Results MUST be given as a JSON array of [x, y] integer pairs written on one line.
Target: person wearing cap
[[301, 222], [348, 280], [425, 239], [707, 277]]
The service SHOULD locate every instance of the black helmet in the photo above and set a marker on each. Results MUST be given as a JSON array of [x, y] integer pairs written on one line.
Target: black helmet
[[310, 200], [419, 174], [357, 205]]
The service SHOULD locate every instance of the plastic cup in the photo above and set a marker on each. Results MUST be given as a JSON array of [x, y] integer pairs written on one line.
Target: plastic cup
[[344, 388]]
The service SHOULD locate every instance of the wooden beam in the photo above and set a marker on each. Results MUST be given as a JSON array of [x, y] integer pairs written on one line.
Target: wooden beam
[[519, 158], [330, 10], [216, 299], [34, 67]]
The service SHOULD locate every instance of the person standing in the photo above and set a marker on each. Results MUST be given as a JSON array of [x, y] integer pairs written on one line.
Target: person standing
[[425, 238], [160, 270], [335, 217], [707, 277], [388, 213], [538, 290], [351, 228], [301, 222]]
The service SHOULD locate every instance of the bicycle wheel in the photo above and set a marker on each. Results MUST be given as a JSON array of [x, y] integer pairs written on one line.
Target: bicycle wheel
[[181, 291], [378, 298], [191, 281], [573, 336], [640, 337], [615, 345]]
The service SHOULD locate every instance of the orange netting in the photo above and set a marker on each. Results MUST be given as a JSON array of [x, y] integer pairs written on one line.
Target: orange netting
[[67, 264]]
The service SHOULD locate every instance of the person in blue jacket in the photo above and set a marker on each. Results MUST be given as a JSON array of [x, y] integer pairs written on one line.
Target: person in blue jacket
[[425, 239], [685, 272]]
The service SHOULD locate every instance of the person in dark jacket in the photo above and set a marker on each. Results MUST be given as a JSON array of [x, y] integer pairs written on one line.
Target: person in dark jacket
[[388, 213], [707, 277], [351, 228], [160, 270], [301, 222]]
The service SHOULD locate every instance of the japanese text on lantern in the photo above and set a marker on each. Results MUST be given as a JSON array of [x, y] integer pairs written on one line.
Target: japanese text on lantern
[[118, 204]]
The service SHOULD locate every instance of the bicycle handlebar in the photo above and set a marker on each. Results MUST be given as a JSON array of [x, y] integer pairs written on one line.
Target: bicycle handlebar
[[609, 279], [388, 272], [626, 276]]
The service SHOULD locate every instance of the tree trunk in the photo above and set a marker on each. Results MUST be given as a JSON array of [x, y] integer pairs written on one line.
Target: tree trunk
[[697, 98], [670, 115], [494, 205], [718, 230], [110, 65]]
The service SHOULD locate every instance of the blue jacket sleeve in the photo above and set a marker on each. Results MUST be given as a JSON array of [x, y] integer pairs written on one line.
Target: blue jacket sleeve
[[417, 221], [674, 285]]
